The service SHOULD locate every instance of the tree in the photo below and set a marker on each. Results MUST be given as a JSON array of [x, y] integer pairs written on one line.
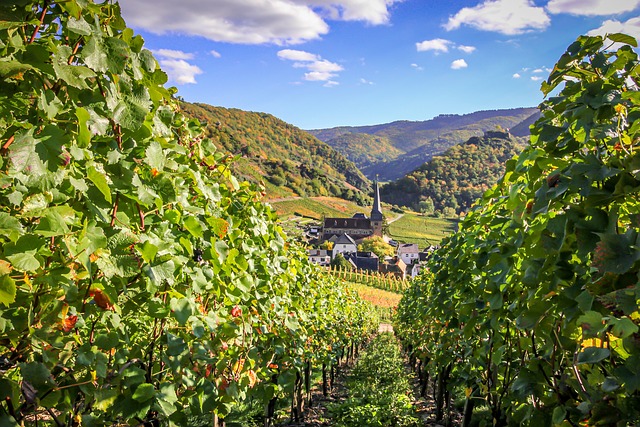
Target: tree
[[327, 244], [340, 262], [426, 206], [378, 246]]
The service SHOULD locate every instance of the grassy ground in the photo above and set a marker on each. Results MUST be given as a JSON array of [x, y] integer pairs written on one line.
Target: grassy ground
[[423, 230], [377, 296]]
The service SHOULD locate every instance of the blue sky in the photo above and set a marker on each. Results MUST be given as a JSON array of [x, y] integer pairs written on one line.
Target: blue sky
[[326, 63]]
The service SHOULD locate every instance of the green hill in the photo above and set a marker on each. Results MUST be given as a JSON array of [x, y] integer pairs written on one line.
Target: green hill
[[415, 142], [456, 178], [289, 161]]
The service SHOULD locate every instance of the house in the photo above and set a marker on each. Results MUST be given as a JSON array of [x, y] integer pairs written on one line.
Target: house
[[413, 270], [344, 244], [367, 261], [395, 266], [359, 226], [409, 253], [319, 256]]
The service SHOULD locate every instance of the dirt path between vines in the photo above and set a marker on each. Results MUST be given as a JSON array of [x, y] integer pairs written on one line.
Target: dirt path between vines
[[317, 415]]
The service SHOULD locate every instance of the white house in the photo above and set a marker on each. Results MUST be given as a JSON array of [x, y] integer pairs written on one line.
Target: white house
[[413, 270], [409, 253], [319, 256], [344, 244]]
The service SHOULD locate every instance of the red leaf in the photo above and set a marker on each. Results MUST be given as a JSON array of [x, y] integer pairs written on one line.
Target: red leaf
[[101, 299], [68, 323]]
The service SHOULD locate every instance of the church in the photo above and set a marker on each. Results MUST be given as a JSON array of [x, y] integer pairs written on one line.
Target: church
[[359, 226]]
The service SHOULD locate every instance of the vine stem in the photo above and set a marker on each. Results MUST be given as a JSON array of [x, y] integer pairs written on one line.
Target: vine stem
[[42, 16], [114, 212], [9, 142], [75, 51], [141, 215]]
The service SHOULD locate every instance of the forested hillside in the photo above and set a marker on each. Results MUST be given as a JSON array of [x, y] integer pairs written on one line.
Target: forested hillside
[[364, 149], [291, 162], [415, 142], [455, 179]]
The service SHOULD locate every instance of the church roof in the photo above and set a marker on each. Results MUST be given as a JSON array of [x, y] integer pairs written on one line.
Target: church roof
[[376, 210], [352, 223]]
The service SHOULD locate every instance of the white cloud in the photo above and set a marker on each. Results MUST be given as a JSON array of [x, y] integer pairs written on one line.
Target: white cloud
[[365, 81], [417, 67], [371, 11], [458, 64], [437, 45], [173, 54], [330, 83], [215, 54], [319, 69], [180, 71], [321, 76], [610, 26], [324, 66], [174, 63], [502, 16], [297, 55], [279, 22], [592, 7], [534, 74], [442, 46]]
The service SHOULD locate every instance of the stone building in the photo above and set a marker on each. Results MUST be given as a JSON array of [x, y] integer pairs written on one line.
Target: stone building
[[359, 226]]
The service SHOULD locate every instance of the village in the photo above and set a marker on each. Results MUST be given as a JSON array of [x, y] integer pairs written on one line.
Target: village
[[338, 242]]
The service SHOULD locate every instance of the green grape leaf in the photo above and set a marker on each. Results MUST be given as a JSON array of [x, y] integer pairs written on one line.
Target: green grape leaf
[[182, 309], [132, 110], [593, 355], [622, 328], [100, 181], [155, 157], [7, 291], [106, 54], [193, 226], [73, 75], [10, 226], [144, 392], [79, 26], [37, 374], [10, 69], [617, 252], [623, 38], [105, 398]]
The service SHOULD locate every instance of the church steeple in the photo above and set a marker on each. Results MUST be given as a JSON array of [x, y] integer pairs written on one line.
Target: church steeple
[[376, 210]]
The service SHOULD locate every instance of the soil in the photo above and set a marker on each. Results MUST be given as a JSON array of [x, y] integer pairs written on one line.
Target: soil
[[316, 414]]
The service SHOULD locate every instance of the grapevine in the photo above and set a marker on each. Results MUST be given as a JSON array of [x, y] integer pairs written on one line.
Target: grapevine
[[532, 307], [140, 281]]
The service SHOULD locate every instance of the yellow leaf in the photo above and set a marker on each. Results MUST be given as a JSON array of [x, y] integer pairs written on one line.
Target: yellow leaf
[[27, 280], [5, 267], [593, 342]]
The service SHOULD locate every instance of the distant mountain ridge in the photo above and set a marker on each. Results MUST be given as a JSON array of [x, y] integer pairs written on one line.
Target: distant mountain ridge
[[394, 149], [290, 161]]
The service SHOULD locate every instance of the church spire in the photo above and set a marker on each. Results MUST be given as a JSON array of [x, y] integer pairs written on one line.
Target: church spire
[[376, 210]]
